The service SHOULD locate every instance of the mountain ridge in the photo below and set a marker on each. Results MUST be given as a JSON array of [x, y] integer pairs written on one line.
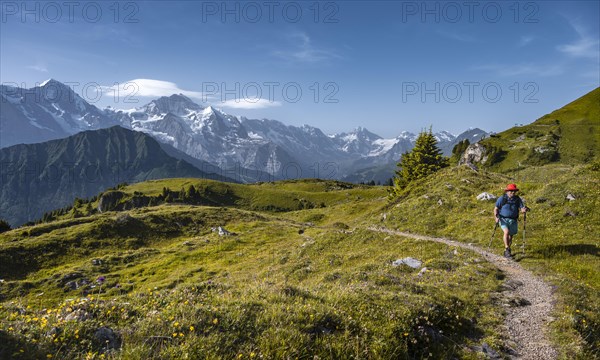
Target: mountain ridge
[[40, 177], [205, 133]]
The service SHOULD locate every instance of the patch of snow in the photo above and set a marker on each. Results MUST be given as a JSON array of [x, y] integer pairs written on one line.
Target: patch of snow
[[383, 146], [407, 135], [124, 111], [207, 113], [162, 136], [350, 137], [60, 120], [254, 136]]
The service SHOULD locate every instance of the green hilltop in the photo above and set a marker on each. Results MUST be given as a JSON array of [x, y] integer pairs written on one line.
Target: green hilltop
[[569, 135], [303, 271]]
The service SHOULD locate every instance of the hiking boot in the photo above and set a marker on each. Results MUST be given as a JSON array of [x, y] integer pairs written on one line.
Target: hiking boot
[[507, 254]]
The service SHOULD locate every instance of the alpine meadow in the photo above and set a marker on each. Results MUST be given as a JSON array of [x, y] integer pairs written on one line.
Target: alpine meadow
[[300, 180], [193, 268]]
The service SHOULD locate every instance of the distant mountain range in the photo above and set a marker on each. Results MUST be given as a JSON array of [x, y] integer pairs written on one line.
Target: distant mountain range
[[245, 149], [36, 178]]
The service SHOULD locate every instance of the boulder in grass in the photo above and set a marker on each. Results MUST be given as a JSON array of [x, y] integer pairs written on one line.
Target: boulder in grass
[[107, 338], [413, 263], [486, 196]]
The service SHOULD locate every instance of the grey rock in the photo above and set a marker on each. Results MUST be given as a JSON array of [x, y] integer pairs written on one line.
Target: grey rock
[[475, 153], [491, 353], [411, 262], [486, 196], [109, 201], [107, 338]]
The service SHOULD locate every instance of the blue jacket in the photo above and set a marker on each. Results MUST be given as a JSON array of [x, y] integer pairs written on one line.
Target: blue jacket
[[511, 206]]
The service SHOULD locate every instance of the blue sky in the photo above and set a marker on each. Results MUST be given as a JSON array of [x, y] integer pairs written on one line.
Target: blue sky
[[387, 66]]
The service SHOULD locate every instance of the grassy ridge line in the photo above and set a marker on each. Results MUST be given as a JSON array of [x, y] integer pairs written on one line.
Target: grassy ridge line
[[571, 133]]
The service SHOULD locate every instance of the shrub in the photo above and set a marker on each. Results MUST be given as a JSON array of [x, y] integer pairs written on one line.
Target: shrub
[[423, 160], [4, 226]]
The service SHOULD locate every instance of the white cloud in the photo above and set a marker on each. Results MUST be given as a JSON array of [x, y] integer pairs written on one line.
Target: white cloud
[[38, 67], [249, 104], [586, 46], [152, 88], [583, 48], [522, 69], [302, 50]]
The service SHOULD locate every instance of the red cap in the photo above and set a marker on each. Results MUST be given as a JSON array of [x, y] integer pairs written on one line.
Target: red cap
[[511, 187]]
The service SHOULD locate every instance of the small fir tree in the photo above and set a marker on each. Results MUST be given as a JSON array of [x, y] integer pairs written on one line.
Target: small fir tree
[[4, 226], [423, 160]]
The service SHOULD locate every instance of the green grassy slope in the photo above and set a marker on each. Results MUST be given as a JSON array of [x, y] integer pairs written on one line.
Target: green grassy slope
[[562, 243], [279, 288], [302, 277], [569, 135]]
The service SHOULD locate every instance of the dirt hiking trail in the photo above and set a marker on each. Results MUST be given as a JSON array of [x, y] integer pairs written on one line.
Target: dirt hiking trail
[[526, 322]]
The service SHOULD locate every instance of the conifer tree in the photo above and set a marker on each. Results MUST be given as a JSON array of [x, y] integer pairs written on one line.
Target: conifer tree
[[4, 226], [423, 160], [192, 194], [459, 149]]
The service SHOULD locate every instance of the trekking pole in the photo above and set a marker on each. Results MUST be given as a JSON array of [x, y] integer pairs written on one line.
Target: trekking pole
[[493, 233], [524, 230]]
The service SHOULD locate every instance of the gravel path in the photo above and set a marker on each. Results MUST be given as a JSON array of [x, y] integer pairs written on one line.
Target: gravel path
[[532, 301]]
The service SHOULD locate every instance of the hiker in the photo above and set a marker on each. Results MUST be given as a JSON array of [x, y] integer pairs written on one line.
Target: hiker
[[506, 212]]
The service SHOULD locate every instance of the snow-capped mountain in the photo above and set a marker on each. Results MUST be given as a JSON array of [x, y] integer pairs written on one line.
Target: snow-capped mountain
[[358, 142], [308, 144], [204, 133], [52, 110], [49, 111]]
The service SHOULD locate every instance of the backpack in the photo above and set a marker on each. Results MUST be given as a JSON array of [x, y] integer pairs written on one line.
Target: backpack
[[505, 201]]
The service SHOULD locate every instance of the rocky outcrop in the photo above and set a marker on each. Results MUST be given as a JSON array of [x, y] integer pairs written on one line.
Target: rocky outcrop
[[114, 201], [109, 201], [475, 153]]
